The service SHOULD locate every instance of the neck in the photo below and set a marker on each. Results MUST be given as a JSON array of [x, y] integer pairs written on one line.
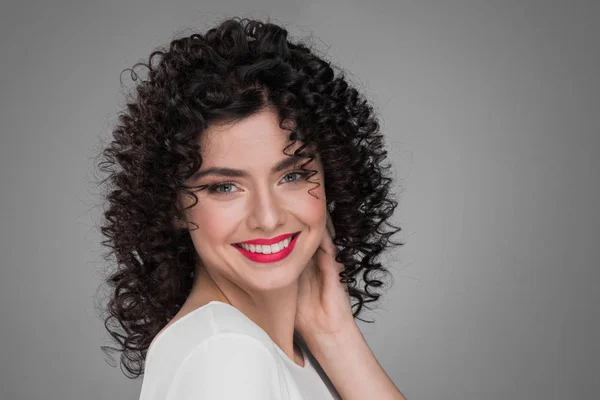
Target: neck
[[274, 312]]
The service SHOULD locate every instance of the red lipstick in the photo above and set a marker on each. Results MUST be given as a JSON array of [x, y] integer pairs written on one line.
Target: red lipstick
[[268, 258], [267, 242]]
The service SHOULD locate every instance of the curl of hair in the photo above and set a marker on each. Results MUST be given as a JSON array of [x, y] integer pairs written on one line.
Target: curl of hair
[[230, 72]]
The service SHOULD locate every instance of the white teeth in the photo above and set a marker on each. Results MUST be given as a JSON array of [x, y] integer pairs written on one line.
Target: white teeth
[[265, 249]]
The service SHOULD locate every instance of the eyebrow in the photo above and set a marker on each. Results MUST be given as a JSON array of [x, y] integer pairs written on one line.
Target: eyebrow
[[238, 173]]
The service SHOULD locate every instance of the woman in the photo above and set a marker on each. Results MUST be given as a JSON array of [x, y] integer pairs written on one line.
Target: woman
[[228, 172]]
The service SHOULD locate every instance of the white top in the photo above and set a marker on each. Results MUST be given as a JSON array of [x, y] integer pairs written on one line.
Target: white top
[[215, 353]]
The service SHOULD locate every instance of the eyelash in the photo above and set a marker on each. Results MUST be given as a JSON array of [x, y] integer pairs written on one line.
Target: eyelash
[[213, 188]]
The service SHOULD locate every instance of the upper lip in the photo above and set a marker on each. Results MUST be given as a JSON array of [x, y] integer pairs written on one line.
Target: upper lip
[[274, 240]]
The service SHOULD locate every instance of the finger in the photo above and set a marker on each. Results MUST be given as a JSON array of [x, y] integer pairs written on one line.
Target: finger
[[326, 254], [329, 224], [327, 242]]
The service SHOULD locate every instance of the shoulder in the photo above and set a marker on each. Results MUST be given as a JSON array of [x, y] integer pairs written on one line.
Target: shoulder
[[215, 318], [207, 348], [227, 365]]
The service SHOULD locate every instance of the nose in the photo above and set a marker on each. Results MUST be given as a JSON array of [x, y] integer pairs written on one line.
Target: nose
[[267, 212]]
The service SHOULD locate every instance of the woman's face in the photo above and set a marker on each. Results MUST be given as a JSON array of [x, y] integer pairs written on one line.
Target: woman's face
[[256, 201]]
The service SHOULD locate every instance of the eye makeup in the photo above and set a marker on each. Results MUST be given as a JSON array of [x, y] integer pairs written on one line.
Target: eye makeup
[[214, 188]]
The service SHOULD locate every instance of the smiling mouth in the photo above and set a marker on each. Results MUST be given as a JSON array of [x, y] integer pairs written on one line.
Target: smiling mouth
[[292, 237]]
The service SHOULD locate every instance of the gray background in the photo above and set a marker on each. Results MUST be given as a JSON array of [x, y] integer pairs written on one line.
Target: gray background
[[491, 113]]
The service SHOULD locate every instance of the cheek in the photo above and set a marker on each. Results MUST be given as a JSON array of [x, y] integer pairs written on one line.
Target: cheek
[[215, 224], [217, 221], [311, 209]]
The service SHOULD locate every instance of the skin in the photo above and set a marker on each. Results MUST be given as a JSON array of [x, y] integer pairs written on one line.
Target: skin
[[303, 291], [262, 205]]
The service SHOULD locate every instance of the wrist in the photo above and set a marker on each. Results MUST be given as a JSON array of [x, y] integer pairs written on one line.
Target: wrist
[[327, 345], [351, 366]]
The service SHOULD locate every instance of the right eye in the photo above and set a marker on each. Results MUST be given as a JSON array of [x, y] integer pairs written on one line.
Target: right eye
[[222, 188]]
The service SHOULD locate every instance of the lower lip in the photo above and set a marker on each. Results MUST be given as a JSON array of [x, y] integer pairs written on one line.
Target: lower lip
[[269, 258]]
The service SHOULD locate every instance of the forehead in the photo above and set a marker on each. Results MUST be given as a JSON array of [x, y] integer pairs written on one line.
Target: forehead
[[255, 140]]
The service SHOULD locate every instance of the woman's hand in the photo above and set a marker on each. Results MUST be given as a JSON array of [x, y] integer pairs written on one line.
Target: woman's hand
[[323, 306]]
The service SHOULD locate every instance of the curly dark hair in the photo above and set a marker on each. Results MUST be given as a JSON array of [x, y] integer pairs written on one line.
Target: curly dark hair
[[229, 73]]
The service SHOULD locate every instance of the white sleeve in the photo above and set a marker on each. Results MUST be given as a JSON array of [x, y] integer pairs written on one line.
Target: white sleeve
[[225, 367]]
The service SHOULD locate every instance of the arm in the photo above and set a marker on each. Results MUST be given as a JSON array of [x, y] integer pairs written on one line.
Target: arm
[[325, 322], [225, 367], [351, 366]]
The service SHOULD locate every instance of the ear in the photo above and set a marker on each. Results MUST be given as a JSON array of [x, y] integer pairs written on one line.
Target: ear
[[178, 223]]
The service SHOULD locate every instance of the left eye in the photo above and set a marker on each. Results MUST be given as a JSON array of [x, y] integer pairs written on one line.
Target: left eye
[[226, 188], [292, 174]]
